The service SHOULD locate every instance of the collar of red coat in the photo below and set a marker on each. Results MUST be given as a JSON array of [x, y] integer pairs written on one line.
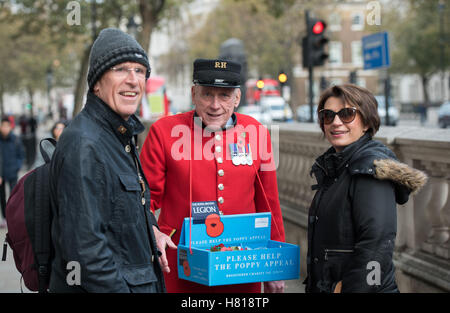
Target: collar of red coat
[[230, 123]]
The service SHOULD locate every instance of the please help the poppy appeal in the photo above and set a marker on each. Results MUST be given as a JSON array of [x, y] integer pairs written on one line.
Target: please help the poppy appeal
[[238, 251]]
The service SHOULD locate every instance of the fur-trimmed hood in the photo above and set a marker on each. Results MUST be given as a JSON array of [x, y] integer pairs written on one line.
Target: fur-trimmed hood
[[400, 173], [376, 159]]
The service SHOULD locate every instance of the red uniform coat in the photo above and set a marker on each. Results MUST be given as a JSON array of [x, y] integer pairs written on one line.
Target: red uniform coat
[[165, 159]]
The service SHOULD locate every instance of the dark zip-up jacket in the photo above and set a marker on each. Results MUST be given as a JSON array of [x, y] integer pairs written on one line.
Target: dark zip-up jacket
[[352, 218], [99, 219], [12, 155]]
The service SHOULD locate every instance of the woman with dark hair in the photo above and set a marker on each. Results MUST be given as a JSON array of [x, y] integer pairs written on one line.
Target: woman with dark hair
[[352, 218], [57, 129]]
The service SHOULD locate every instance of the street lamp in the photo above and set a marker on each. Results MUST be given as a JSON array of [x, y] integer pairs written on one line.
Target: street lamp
[[49, 87], [233, 49], [132, 27]]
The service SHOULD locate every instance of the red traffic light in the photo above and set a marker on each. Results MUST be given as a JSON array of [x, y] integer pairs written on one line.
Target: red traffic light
[[318, 27]]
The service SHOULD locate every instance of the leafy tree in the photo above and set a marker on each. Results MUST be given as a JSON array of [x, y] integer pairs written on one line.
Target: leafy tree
[[26, 59], [271, 31], [9, 72], [416, 39], [49, 19]]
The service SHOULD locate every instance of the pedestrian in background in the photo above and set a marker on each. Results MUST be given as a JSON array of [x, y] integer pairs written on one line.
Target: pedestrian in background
[[28, 127], [57, 129], [12, 155], [100, 199], [352, 218], [236, 168]]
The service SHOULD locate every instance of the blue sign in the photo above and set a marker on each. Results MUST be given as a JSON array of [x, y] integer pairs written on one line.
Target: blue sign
[[375, 49]]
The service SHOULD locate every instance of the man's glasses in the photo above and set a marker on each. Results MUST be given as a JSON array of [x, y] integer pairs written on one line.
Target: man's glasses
[[346, 115], [123, 71]]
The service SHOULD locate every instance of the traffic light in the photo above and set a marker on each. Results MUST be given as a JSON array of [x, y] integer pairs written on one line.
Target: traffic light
[[305, 52], [260, 84], [282, 78], [318, 42], [313, 44]]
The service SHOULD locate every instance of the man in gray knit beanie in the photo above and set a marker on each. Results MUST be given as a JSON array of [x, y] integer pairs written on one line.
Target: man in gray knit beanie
[[111, 48], [101, 217], [118, 70]]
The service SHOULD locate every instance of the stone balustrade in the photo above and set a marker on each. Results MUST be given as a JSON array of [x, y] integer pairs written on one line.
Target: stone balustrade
[[422, 256]]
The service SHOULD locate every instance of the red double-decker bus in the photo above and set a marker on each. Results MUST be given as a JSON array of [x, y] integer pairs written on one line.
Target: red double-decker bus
[[253, 94]]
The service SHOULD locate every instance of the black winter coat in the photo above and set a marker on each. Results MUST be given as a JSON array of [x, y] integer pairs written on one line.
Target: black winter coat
[[99, 220], [352, 218]]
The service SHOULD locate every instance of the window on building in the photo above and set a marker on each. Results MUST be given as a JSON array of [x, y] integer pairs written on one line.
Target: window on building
[[335, 81], [361, 82], [335, 22], [357, 21], [335, 52], [357, 58]]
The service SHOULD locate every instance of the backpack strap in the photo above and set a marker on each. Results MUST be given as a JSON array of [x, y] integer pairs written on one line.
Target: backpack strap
[[42, 240], [39, 219], [47, 156]]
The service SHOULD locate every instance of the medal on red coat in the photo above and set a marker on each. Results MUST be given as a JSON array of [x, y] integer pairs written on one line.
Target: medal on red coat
[[242, 156], [249, 155], [234, 154], [241, 149], [241, 153]]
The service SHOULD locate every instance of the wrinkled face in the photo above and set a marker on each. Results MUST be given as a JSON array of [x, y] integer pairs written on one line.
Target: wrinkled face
[[122, 88], [215, 105], [5, 128], [341, 134]]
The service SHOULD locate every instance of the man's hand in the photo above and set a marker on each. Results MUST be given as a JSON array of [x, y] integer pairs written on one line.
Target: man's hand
[[162, 242], [1, 180], [274, 286]]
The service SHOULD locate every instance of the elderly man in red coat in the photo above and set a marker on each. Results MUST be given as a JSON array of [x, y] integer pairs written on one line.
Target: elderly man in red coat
[[210, 154]]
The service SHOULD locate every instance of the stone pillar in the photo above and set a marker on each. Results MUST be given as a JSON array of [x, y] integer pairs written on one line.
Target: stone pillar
[[443, 250]]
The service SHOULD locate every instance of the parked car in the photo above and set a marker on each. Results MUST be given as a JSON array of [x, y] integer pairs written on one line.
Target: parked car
[[393, 111], [257, 113], [277, 107], [444, 115], [303, 113]]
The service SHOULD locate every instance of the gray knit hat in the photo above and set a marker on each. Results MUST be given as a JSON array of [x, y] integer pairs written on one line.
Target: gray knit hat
[[113, 47]]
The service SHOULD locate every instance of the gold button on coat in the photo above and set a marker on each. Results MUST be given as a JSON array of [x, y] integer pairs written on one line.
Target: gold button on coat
[[127, 148]]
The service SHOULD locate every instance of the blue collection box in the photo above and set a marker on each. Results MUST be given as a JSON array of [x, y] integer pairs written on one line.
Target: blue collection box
[[264, 260]]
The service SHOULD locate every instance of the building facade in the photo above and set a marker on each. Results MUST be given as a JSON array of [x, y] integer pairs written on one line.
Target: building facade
[[346, 25]]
